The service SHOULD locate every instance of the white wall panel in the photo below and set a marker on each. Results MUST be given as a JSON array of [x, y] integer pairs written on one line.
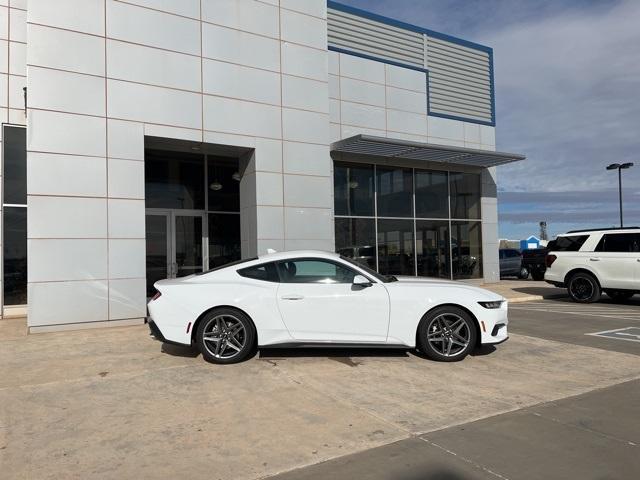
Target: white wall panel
[[58, 303], [127, 298], [362, 69], [79, 15], [363, 115], [17, 58], [406, 78], [362, 92], [66, 217], [308, 191], [406, 100], [67, 259], [18, 25], [303, 29], [125, 139], [149, 65], [66, 133], [306, 159], [71, 175], [66, 92], [149, 27], [236, 116], [305, 94], [302, 126], [406, 122], [247, 15], [126, 219], [234, 46], [304, 61], [145, 103], [308, 223], [317, 8], [245, 83], [186, 8], [51, 47], [127, 258], [126, 178]]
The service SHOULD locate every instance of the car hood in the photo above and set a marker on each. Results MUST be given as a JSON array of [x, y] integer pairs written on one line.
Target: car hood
[[417, 282]]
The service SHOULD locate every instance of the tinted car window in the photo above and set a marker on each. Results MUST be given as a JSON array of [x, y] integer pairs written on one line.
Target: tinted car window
[[513, 253], [619, 242], [314, 271], [569, 244], [266, 272]]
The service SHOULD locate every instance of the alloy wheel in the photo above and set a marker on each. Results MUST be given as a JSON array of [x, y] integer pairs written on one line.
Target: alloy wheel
[[224, 336], [448, 334], [581, 288]]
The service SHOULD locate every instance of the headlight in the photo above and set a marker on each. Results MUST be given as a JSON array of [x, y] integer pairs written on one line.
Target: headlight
[[492, 305]]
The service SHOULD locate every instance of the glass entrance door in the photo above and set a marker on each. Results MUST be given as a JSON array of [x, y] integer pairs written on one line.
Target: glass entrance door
[[176, 244]]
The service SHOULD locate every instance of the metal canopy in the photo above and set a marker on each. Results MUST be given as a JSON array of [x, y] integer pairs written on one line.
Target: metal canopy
[[407, 150]]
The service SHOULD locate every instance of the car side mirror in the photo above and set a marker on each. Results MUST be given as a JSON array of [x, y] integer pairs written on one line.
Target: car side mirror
[[361, 281]]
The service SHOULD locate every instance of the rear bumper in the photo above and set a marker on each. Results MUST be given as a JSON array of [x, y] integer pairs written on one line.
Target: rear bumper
[[154, 331]]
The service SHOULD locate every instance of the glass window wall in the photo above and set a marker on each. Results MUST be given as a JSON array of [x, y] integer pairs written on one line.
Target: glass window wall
[[421, 222]]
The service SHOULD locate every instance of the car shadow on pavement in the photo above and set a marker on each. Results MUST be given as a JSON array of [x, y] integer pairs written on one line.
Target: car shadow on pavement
[[179, 350]]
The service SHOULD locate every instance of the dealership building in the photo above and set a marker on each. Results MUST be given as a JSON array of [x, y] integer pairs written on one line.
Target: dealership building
[[146, 139]]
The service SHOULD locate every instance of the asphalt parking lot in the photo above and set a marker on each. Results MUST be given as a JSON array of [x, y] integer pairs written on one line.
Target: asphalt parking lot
[[552, 402]]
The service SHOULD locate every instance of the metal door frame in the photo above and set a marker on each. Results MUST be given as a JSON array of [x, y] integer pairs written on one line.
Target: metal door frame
[[170, 215]]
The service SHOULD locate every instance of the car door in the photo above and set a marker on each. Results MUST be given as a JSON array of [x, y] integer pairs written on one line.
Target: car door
[[319, 303], [614, 260]]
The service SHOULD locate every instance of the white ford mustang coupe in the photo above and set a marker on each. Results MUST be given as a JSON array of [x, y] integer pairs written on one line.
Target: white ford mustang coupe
[[308, 298]]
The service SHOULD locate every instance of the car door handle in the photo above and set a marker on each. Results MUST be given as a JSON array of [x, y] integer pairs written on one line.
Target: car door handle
[[292, 297], [594, 259]]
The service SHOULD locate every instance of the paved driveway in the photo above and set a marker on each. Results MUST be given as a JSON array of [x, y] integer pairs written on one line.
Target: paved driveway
[[114, 403]]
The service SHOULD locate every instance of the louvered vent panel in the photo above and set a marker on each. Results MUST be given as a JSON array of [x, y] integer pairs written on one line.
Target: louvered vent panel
[[459, 80], [377, 39]]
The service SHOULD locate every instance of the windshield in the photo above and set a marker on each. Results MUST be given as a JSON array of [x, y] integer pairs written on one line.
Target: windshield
[[370, 271]]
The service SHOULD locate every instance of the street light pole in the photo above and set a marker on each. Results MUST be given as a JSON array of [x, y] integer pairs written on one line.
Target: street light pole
[[620, 167]]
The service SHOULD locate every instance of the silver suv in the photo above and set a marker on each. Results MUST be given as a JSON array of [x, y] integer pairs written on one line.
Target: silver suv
[[590, 262]]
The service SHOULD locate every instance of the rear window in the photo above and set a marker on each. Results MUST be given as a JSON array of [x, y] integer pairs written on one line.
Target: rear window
[[266, 272], [569, 244], [619, 242], [230, 264]]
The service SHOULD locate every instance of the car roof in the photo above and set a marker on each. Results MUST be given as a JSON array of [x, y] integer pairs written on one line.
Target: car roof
[[298, 254], [575, 233]]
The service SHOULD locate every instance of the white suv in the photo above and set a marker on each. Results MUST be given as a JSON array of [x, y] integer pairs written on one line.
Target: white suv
[[589, 262]]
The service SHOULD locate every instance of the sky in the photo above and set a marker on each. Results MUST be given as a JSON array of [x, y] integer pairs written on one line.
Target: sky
[[567, 76]]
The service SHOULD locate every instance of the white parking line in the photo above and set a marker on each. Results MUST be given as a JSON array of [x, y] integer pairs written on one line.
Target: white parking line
[[627, 334], [619, 312]]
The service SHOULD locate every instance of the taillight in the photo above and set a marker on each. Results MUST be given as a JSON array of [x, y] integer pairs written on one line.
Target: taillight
[[156, 296], [549, 259]]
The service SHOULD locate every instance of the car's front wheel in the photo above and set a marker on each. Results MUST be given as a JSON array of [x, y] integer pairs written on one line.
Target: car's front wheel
[[524, 273], [225, 336], [584, 288], [446, 334]]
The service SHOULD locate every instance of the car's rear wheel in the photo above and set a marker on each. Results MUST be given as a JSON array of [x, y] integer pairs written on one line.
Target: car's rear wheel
[[537, 274], [619, 295], [225, 336], [446, 334], [584, 288]]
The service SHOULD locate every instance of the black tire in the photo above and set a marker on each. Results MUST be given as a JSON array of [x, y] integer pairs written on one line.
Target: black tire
[[619, 295], [225, 336], [537, 274], [584, 288], [445, 320], [524, 273]]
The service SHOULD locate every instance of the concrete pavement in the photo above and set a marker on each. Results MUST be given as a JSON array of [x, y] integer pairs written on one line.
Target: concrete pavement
[[113, 403]]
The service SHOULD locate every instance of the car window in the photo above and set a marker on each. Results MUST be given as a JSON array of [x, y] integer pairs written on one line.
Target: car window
[[314, 271], [502, 254], [570, 243], [619, 242], [266, 272], [513, 253]]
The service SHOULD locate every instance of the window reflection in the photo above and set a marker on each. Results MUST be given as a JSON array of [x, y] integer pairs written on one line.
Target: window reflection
[[224, 239], [432, 194], [465, 195], [394, 192], [356, 239], [15, 255], [395, 247], [466, 247], [174, 180], [432, 247], [353, 189], [223, 184]]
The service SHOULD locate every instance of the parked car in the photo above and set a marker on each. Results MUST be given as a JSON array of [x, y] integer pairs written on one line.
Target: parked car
[[318, 298], [590, 262], [511, 263], [534, 260]]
